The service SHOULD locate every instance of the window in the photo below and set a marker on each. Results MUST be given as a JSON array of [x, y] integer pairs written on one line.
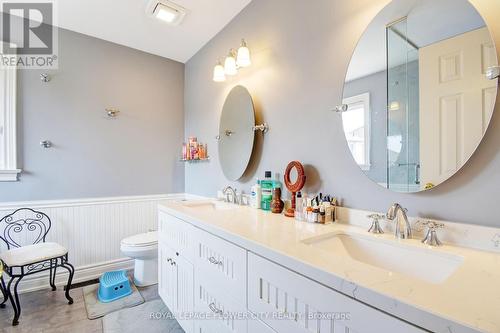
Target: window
[[356, 122], [8, 151]]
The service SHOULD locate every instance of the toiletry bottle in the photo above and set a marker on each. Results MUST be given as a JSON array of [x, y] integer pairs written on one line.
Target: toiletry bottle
[[298, 206], [309, 211], [322, 214], [256, 196], [277, 204], [184, 151], [315, 215], [276, 182], [267, 191], [328, 210]]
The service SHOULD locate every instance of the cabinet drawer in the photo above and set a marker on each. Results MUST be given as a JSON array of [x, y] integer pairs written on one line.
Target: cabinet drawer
[[219, 313], [222, 264], [308, 306], [177, 234]]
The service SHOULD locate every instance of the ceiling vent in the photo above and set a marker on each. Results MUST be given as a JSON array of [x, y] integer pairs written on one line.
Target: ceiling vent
[[166, 11]]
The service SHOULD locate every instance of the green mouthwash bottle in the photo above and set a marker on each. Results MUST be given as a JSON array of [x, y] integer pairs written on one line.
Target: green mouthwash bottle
[[267, 185]]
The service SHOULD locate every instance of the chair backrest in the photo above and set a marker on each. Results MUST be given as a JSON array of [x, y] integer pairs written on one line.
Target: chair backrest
[[35, 225]]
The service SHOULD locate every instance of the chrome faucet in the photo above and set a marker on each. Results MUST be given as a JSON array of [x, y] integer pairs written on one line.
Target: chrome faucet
[[431, 237], [392, 215], [229, 190]]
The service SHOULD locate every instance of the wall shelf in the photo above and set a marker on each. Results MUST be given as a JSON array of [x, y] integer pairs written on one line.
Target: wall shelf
[[195, 160]]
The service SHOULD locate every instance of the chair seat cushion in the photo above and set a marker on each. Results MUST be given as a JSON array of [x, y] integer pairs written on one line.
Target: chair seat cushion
[[32, 253]]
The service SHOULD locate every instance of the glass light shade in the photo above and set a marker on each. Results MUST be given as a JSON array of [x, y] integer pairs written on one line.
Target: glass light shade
[[230, 67], [166, 14], [243, 59], [219, 74]]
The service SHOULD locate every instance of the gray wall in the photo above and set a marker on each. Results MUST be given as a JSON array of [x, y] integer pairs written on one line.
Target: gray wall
[[93, 156], [301, 50]]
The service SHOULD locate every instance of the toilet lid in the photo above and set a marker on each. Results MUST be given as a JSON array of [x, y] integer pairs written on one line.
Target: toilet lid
[[148, 238]]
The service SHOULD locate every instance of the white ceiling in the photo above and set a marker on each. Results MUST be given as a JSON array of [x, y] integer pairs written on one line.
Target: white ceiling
[[429, 21], [125, 22]]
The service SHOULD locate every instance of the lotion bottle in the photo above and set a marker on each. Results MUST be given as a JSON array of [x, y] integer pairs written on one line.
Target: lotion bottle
[[298, 206], [256, 196]]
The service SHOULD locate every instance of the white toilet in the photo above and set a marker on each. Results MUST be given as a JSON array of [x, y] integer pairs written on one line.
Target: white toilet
[[144, 249]]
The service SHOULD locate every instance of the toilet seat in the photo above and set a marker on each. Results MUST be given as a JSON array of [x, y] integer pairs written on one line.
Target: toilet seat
[[141, 240]]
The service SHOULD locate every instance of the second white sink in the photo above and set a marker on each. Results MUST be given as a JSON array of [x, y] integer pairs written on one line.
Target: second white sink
[[209, 204], [430, 265]]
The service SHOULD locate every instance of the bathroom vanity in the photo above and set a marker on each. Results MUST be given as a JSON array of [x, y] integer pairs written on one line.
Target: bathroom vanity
[[228, 268]]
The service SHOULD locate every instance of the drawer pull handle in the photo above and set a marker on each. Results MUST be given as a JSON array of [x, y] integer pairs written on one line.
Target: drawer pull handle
[[215, 261], [214, 309]]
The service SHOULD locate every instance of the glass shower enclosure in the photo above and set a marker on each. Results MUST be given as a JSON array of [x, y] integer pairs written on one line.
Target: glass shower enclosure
[[403, 157]]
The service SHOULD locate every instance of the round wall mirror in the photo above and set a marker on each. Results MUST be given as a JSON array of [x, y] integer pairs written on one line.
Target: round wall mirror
[[236, 133], [419, 92]]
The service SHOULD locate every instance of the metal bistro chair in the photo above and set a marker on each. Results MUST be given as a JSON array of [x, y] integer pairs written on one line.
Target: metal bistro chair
[[20, 261]]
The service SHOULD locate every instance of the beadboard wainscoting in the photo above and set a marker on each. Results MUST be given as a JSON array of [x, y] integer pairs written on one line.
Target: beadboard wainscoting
[[91, 229]]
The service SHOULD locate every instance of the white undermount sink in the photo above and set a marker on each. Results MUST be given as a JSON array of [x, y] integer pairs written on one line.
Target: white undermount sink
[[430, 265], [209, 204]]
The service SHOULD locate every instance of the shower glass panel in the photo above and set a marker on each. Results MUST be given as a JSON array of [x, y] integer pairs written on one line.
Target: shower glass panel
[[403, 168]]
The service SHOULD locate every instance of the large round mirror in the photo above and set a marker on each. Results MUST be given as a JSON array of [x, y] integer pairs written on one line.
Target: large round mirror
[[419, 92], [236, 133]]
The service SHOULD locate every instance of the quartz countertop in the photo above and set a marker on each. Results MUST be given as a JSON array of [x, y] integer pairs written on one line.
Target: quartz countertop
[[467, 301]]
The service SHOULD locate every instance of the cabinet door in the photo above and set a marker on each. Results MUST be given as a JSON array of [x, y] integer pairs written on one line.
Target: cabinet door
[[295, 304], [220, 313], [185, 293], [222, 264], [177, 234], [167, 276]]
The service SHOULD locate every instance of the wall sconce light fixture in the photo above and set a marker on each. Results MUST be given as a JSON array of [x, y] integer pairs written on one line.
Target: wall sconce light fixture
[[219, 74], [230, 67], [243, 59], [234, 60]]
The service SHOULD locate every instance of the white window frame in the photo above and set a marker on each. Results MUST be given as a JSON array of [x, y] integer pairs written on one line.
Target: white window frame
[[8, 126], [365, 100]]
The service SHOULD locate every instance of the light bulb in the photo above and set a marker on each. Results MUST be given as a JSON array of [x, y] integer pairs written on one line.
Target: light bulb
[[243, 59], [230, 64], [219, 75]]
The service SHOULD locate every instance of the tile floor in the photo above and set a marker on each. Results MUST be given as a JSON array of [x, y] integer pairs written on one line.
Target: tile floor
[[48, 311]]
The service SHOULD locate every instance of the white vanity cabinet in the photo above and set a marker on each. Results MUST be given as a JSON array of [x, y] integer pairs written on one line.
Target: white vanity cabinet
[[232, 290], [301, 305]]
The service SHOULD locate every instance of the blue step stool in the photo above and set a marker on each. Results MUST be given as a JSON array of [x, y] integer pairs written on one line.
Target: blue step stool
[[113, 285]]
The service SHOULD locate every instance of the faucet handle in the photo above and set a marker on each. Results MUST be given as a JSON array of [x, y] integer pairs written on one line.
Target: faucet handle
[[431, 224], [431, 237], [376, 216], [375, 227]]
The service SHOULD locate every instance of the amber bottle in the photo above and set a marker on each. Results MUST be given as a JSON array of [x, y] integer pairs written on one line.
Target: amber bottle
[[277, 204]]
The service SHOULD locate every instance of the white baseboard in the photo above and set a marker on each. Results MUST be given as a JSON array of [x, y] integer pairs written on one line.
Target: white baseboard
[[82, 274]]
